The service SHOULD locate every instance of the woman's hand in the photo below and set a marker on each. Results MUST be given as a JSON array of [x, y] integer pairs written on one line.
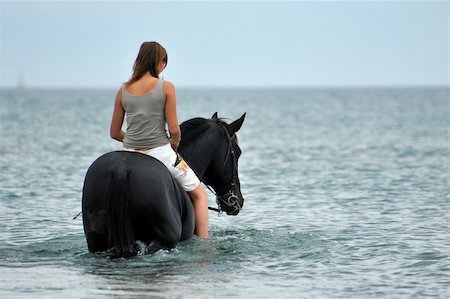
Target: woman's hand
[[174, 143]]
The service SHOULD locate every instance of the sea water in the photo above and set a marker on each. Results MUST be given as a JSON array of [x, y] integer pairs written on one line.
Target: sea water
[[346, 196]]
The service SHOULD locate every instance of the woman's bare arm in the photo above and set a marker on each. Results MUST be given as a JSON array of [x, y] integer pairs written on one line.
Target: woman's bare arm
[[171, 114], [115, 129]]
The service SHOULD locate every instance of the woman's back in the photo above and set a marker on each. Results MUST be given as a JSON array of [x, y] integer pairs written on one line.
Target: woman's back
[[145, 115]]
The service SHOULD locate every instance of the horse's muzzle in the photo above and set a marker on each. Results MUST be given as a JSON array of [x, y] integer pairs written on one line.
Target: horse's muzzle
[[230, 203]]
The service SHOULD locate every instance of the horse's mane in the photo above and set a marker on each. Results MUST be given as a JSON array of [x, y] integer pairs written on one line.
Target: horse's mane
[[195, 127], [200, 131]]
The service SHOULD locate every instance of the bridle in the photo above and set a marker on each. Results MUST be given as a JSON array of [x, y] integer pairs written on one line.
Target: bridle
[[228, 199]]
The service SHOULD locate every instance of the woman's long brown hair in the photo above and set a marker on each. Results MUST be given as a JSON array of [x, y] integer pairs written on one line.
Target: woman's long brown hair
[[151, 54]]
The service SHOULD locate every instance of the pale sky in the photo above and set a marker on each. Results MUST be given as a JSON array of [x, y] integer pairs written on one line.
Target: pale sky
[[227, 44]]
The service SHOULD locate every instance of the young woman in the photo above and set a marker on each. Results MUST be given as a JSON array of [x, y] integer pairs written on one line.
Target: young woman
[[149, 104]]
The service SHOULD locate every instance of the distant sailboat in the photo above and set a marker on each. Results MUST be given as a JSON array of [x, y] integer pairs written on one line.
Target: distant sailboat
[[20, 81]]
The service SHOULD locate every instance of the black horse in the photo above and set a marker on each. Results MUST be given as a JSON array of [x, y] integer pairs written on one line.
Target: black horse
[[129, 196]]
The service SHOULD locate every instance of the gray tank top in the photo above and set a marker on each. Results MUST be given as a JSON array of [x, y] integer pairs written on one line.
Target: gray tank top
[[146, 119]]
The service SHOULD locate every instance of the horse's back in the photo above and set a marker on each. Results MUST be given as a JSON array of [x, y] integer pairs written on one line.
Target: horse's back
[[151, 201]]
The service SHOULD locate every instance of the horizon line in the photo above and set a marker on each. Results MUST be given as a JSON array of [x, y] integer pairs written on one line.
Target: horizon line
[[182, 87]]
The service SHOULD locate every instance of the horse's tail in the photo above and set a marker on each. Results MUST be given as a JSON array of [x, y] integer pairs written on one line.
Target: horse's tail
[[120, 229]]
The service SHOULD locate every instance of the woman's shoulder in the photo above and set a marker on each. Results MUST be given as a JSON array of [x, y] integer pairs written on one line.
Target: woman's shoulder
[[168, 87], [120, 89], [168, 84]]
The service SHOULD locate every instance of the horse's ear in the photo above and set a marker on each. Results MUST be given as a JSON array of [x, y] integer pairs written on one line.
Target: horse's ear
[[214, 115], [236, 125]]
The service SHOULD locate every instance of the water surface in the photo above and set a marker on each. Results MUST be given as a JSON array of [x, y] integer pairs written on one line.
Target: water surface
[[346, 196]]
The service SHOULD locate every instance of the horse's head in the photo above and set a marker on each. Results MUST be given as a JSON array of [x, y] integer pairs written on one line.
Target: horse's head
[[214, 156], [222, 173]]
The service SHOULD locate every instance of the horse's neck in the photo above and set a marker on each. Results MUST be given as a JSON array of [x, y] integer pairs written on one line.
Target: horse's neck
[[198, 157]]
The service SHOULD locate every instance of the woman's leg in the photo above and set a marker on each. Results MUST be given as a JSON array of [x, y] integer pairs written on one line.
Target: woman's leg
[[200, 201]]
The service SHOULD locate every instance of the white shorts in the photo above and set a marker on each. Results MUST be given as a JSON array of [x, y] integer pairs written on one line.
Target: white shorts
[[182, 173]]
